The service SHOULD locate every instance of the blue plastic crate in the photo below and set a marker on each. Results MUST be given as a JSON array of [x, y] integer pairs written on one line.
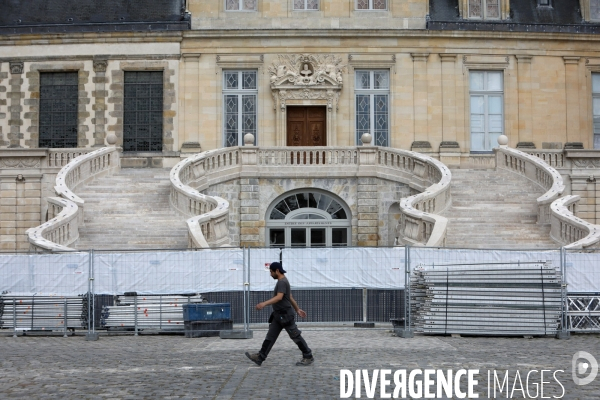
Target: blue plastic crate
[[206, 311]]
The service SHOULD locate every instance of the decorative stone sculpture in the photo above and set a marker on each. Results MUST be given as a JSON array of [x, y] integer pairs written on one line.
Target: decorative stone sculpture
[[502, 140], [248, 139], [307, 70]]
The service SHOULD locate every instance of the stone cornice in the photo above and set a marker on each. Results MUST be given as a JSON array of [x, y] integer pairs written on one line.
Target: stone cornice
[[98, 37], [393, 33]]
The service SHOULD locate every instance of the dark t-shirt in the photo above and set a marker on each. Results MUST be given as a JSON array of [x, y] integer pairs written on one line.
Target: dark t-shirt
[[283, 286]]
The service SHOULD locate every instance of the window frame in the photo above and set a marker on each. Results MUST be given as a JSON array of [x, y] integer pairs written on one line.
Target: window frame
[[591, 13], [486, 93], [239, 93], [290, 222], [51, 112], [595, 95], [387, 6], [240, 7], [305, 6], [484, 16], [549, 5], [372, 92]]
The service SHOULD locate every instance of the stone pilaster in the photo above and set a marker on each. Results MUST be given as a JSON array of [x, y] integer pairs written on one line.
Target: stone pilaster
[[368, 212], [3, 104], [15, 95], [100, 94], [190, 111], [525, 125], [250, 224], [420, 98], [572, 99], [448, 97]]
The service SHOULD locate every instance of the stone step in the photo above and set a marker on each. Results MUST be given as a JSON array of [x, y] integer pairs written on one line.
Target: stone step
[[495, 209], [130, 211]]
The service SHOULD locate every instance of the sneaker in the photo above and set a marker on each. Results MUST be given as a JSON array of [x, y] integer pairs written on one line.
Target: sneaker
[[305, 362], [255, 358]]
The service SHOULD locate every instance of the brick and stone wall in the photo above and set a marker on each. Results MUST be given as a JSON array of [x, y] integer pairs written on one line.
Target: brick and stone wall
[[369, 199]]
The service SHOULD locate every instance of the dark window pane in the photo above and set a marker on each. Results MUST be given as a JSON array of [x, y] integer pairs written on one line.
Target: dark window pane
[[317, 237], [299, 237], [277, 237], [339, 237], [143, 104], [58, 109]]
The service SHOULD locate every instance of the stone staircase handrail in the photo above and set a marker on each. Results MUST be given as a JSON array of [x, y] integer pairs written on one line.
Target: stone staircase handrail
[[207, 225], [570, 231], [208, 214], [76, 172], [60, 230], [536, 170]]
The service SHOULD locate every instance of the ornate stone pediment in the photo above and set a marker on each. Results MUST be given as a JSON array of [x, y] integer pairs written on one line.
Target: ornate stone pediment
[[307, 77], [303, 70]]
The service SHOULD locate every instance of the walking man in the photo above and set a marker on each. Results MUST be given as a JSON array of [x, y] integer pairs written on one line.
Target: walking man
[[281, 318]]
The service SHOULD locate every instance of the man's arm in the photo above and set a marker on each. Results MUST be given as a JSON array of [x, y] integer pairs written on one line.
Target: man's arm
[[300, 312], [273, 300]]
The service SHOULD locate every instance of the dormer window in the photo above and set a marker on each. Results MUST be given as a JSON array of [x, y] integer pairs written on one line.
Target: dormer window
[[544, 3], [484, 9], [594, 10], [306, 5]]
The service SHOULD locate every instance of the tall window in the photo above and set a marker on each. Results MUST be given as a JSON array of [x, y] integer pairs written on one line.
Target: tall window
[[487, 104], [240, 5], [58, 109], [239, 99], [372, 105], [484, 9], [143, 111], [595, 9], [596, 107], [304, 218], [371, 4], [309, 5]]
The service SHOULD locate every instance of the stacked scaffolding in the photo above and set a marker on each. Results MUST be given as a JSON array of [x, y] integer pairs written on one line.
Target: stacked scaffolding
[[487, 299], [147, 312], [40, 313]]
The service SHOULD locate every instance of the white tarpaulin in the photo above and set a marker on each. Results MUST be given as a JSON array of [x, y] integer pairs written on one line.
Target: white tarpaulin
[[44, 274], [583, 272], [169, 272], [362, 267], [223, 270]]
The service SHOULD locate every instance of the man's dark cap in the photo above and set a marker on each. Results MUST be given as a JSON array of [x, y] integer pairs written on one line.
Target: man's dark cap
[[277, 266]]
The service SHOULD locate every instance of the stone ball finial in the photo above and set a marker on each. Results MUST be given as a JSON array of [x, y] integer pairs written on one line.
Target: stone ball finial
[[502, 140], [366, 139], [248, 139], [111, 139]]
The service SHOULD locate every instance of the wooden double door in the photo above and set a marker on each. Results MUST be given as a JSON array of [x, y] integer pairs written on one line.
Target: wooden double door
[[306, 126]]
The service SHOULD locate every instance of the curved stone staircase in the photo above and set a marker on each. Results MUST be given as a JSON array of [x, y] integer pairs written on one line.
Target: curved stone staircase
[[130, 210], [495, 209]]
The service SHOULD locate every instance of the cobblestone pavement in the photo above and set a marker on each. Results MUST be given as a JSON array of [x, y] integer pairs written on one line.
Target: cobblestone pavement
[[158, 366]]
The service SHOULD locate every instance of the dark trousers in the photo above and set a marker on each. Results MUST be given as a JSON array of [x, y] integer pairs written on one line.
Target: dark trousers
[[275, 329]]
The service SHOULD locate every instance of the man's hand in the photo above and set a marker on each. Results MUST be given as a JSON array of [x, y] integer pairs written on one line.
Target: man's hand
[[260, 306], [302, 313]]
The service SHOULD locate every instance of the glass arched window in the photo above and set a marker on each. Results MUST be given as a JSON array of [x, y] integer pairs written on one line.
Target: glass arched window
[[308, 218]]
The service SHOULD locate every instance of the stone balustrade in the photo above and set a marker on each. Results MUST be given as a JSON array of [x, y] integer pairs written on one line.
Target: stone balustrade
[[553, 157], [61, 231], [569, 230], [58, 158], [536, 170], [208, 222]]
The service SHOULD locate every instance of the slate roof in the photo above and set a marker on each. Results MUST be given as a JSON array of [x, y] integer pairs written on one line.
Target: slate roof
[[51, 16], [525, 16]]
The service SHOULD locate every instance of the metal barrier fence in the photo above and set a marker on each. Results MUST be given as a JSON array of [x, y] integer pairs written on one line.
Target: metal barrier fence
[[146, 290]]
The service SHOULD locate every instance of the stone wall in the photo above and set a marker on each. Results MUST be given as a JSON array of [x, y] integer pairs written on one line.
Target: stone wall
[[369, 199]]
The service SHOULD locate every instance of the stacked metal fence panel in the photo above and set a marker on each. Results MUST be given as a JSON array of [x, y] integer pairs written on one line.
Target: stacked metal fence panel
[[487, 299], [38, 313], [161, 312], [583, 313]]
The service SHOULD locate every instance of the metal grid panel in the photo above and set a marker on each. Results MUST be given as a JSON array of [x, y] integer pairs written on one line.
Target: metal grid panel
[[58, 109], [143, 111]]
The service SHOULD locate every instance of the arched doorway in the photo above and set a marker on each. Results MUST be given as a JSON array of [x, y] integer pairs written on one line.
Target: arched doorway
[[308, 218]]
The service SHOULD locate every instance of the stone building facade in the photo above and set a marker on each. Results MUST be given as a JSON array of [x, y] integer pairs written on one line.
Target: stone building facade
[[441, 77]]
